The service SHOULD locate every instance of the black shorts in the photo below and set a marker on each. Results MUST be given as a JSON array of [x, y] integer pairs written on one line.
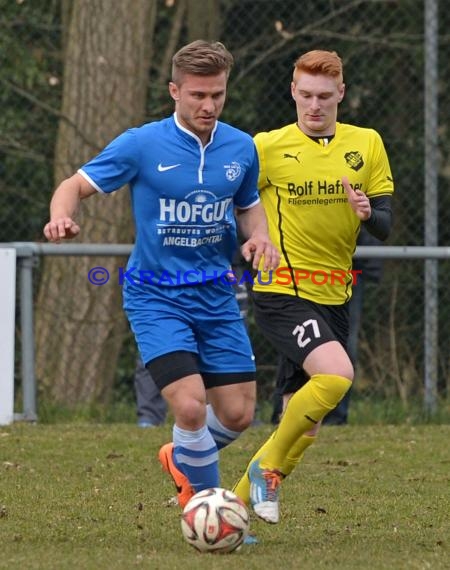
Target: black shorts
[[170, 367], [295, 327], [290, 376]]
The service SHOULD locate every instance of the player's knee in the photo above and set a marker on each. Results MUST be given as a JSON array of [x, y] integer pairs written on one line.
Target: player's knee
[[329, 359], [342, 367], [190, 413], [330, 388], [239, 418], [345, 370]]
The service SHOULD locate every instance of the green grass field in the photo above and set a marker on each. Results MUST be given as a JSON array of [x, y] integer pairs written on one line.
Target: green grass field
[[89, 496]]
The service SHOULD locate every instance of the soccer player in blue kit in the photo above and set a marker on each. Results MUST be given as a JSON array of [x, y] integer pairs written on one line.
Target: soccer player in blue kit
[[191, 179]]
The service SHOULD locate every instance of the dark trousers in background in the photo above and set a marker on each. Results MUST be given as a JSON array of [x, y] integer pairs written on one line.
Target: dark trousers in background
[[151, 406]]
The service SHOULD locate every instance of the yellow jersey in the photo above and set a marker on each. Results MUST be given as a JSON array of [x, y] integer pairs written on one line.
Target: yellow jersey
[[310, 220]]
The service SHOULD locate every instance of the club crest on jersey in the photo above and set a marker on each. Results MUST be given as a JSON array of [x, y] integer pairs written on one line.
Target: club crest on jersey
[[354, 159], [232, 171]]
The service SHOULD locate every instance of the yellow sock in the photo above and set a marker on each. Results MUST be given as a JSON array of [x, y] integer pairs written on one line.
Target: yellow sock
[[305, 409], [295, 454]]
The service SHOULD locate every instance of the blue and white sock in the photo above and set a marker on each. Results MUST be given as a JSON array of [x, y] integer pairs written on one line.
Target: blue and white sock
[[222, 435], [195, 454]]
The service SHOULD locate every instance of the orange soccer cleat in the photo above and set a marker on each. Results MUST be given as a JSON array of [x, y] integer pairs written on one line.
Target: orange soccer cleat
[[184, 488]]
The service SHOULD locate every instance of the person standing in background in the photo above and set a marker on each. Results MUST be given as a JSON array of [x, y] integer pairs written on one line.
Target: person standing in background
[[151, 408]]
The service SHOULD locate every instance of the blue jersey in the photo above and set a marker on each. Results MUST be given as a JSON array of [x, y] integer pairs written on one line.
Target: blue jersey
[[183, 197]]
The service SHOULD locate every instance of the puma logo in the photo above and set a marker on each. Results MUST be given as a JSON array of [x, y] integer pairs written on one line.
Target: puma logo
[[295, 157]]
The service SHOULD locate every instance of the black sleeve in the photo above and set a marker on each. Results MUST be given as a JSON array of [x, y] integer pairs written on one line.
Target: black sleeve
[[380, 222]]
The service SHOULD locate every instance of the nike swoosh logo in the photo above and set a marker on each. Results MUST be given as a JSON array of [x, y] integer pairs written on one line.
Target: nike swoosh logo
[[162, 168], [179, 488]]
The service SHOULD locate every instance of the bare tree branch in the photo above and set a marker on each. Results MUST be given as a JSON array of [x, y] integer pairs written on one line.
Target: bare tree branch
[[316, 29]]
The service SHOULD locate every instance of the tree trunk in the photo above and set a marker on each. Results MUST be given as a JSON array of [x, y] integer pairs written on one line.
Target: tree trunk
[[79, 326], [203, 20]]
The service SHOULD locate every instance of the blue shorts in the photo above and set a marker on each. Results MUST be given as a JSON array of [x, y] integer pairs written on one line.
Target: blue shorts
[[201, 319]]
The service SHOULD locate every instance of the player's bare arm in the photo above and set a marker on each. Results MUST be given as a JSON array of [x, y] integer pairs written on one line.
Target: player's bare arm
[[253, 226], [358, 201], [63, 207]]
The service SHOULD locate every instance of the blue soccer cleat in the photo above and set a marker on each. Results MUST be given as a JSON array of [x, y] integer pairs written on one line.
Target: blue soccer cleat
[[264, 492]]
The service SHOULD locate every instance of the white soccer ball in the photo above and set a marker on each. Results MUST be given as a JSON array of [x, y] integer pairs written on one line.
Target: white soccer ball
[[215, 520]]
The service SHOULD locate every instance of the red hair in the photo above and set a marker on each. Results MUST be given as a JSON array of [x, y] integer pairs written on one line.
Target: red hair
[[319, 62]]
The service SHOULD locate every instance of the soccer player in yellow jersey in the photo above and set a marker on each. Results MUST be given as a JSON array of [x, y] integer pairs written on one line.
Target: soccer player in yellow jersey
[[319, 181]]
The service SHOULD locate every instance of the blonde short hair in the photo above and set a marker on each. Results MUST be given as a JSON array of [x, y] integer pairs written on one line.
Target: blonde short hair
[[201, 58]]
